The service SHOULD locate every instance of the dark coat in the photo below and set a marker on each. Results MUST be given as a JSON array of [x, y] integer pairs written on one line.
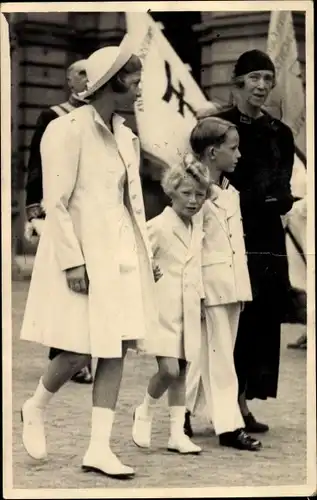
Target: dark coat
[[155, 200], [34, 187], [264, 169]]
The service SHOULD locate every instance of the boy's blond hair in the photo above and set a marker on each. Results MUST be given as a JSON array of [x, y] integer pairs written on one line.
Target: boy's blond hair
[[191, 168]]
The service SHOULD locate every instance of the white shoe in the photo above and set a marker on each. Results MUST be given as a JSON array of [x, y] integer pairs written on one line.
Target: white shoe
[[142, 428], [182, 444], [33, 434], [106, 462]]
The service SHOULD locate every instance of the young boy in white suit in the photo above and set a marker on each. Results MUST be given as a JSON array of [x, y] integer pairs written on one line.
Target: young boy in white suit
[[176, 237], [212, 380]]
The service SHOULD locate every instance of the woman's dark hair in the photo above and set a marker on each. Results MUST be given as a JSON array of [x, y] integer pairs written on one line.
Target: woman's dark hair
[[117, 82], [211, 131]]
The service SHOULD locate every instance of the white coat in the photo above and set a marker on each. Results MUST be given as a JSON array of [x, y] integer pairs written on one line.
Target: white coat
[[84, 211], [179, 291], [225, 269]]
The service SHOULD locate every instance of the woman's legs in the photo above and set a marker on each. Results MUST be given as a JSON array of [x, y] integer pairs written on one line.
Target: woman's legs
[[83, 376], [59, 371], [105, 395], [62, 368]]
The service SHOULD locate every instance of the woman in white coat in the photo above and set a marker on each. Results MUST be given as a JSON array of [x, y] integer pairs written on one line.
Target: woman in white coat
[[176, 237], [212, 382], [92, 288]]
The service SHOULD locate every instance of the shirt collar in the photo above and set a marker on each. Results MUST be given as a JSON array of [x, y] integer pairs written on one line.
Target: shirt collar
[[117, 120]]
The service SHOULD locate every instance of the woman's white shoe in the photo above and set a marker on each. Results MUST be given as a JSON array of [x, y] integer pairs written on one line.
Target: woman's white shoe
[[182, 444], [33, 434], [106, 462], [141, 429]]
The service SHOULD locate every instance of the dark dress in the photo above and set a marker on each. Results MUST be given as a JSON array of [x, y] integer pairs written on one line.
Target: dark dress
[[264, 169]]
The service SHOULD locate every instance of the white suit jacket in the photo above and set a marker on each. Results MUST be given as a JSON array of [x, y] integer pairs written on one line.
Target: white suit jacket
[[225, 270], [180, 289]]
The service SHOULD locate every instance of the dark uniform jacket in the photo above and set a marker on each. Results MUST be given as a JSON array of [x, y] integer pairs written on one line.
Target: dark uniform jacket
[[34, 181]]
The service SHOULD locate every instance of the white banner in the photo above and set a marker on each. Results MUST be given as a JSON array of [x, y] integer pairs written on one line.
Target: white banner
[[287, 101], [287, 98], [165, 112]]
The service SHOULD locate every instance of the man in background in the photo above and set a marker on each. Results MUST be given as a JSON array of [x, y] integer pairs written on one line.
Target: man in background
[[76, 82]]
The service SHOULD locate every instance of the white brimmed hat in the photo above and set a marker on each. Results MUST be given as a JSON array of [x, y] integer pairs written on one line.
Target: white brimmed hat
[[103, 64]]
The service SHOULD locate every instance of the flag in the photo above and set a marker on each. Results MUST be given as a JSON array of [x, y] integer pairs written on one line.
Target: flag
[[287, 100], [288, 95], [170, 97]]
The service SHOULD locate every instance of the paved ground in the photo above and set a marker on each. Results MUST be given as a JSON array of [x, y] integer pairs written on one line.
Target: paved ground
[[281, 462]]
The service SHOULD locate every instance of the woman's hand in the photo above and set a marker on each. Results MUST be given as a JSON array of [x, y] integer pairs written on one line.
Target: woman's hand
[[77, 279], [157, 273], [33, 230]]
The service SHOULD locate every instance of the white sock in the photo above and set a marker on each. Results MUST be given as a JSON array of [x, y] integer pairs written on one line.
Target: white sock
[[148, 405], [101, 427], [177, 417], [41, 396]]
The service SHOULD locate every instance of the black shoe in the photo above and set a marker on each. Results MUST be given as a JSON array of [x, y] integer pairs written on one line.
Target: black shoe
[[187, 425], [253, 426], [301, 343], [240, 440], [83, 376]]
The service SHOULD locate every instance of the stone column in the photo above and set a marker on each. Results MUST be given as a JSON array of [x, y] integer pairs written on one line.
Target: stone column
[[16, 169]]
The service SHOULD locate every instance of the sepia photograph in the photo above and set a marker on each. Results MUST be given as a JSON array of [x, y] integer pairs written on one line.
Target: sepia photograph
[[157, 185]]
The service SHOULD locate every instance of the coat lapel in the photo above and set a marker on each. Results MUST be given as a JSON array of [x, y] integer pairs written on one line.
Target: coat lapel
[[196, 237], [227, 202], [219, 213], [177, 226], [127, 144]]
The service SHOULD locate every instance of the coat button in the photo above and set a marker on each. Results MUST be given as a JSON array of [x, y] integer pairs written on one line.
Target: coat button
[[233, 252], [138, 211], [133, 196], [230, 235]]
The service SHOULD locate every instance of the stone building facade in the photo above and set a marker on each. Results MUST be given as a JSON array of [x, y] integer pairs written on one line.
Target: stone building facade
[[44, 44]]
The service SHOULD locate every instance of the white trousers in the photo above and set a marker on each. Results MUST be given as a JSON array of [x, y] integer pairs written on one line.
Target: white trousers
[[211, 384]]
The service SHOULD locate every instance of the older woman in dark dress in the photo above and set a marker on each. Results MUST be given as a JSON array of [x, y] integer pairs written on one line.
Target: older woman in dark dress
[[262, 177]]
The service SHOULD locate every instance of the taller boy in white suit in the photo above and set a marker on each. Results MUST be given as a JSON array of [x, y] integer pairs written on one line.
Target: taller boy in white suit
[[211, 380]]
